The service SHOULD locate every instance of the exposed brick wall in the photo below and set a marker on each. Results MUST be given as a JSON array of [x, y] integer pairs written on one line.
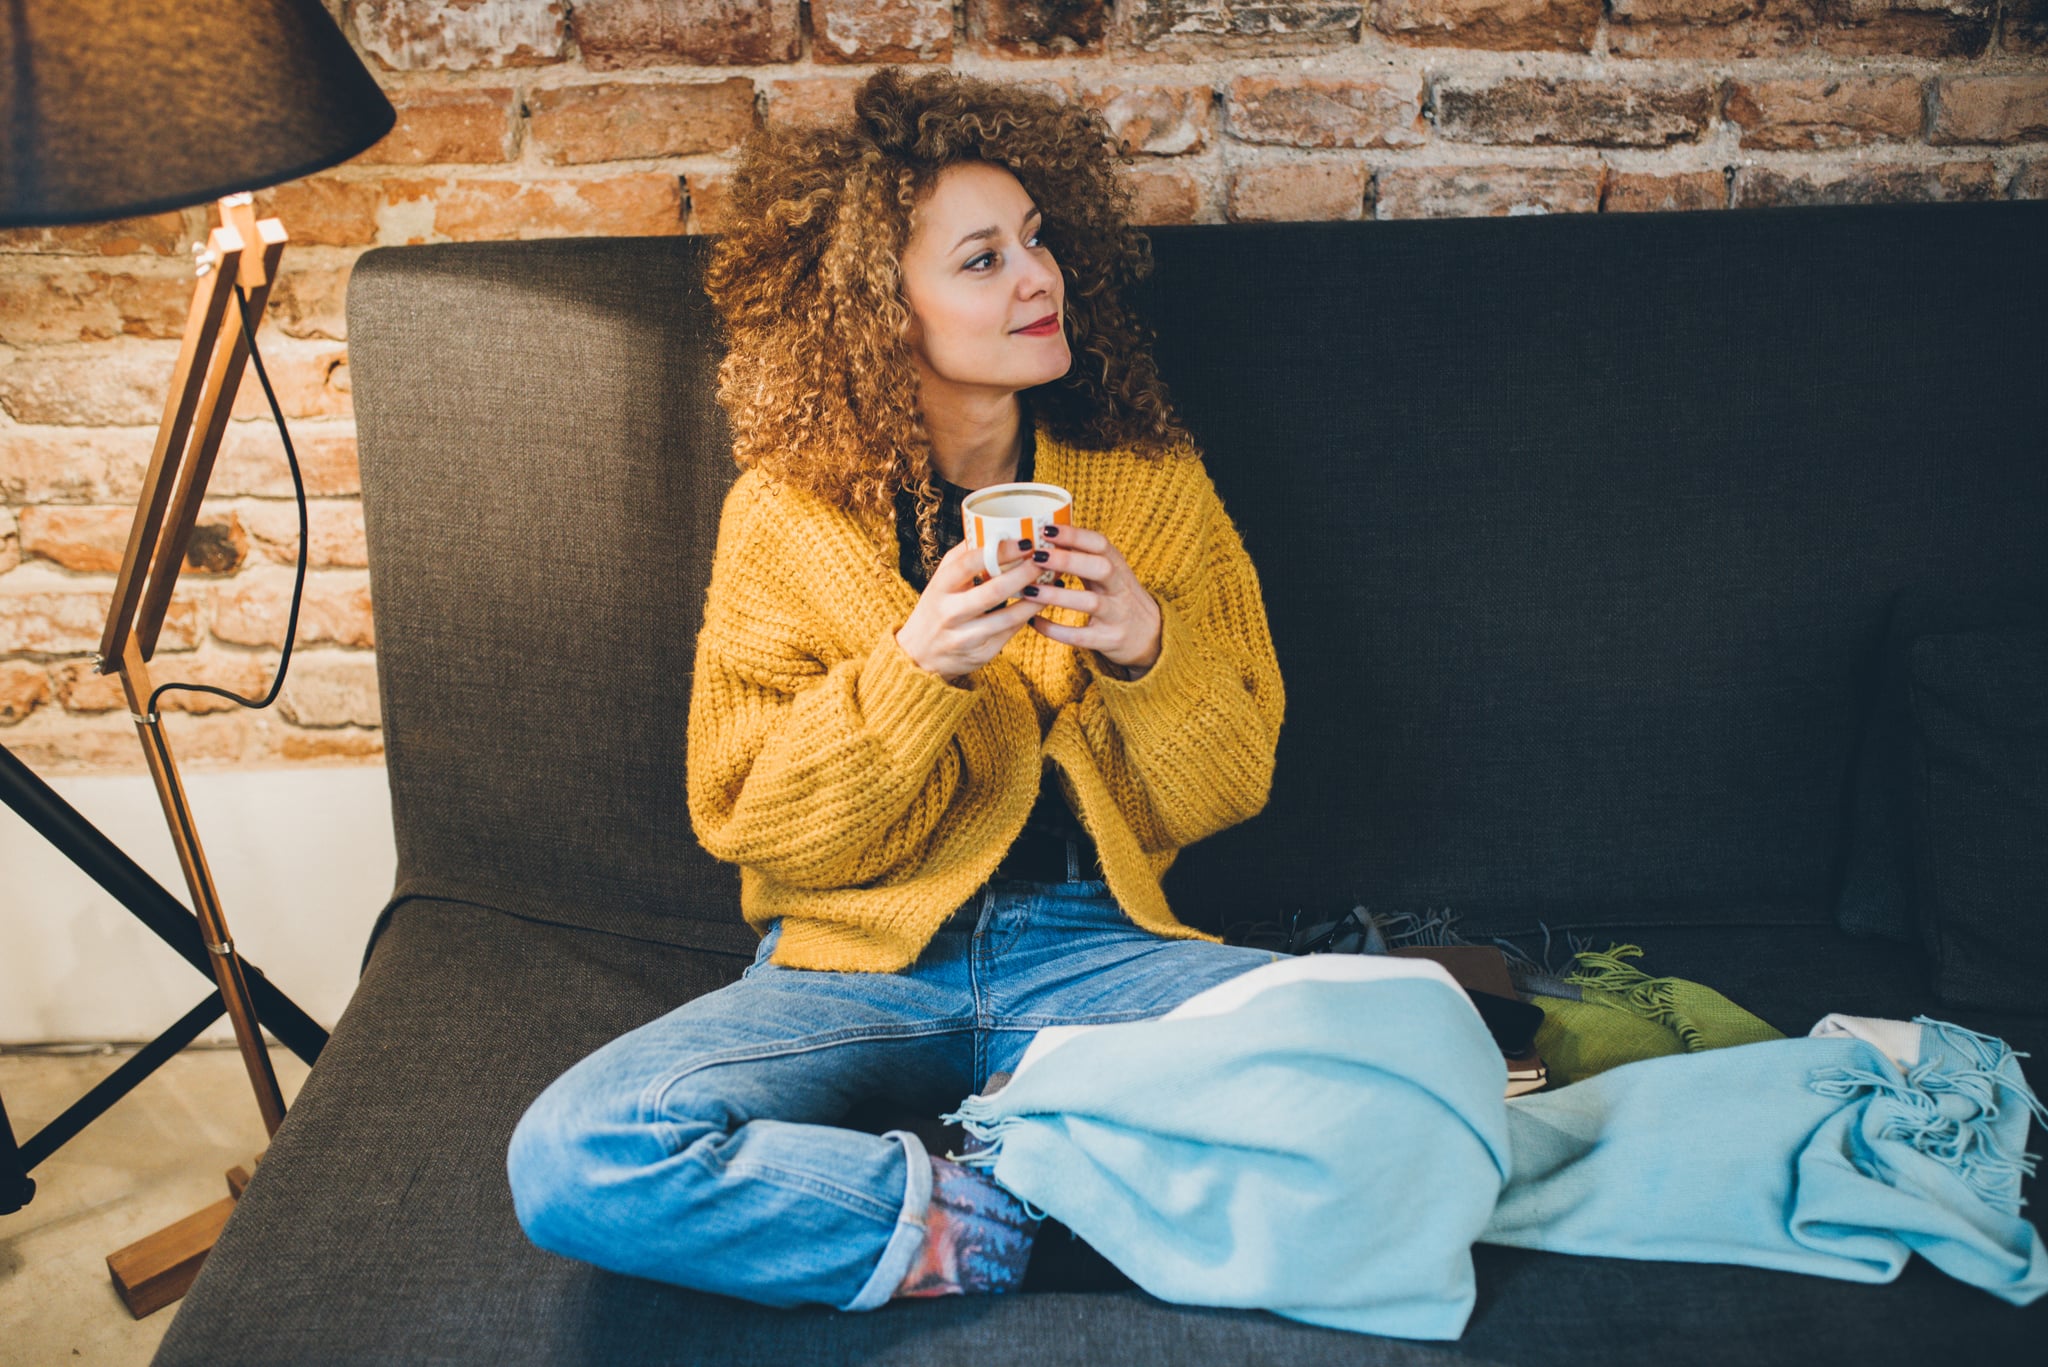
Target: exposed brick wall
[[531, 118]]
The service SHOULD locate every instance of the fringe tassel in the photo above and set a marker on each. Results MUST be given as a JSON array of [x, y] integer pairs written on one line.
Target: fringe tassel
[[1645, 996], [1946, 1112], [977, 1115]]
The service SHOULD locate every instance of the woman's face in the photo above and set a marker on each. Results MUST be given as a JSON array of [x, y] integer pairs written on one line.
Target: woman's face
[[974, 274]]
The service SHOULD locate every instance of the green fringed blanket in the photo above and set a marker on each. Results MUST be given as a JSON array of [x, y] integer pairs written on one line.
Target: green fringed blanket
[[1624, 1014]]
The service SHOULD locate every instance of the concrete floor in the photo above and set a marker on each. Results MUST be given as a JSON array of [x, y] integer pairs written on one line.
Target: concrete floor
[[158, 1155]]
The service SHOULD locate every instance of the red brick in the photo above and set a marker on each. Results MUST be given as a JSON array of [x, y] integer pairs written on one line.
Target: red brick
[[1916, 28], [54, 301], [438, 127], [45, 613], [1162, 194], [1503, 25], [82, 689], [334, 531], [252, 608], [10, 541], [1815, 113], [54, 742], [614, 34], [1298, 192], [346, 743], [165, 234], [1486, 191], [1249, 28], [96, 386], [219, 542], [1636, 192], [311, 380], [128, 386], [95, 540], [84, 539], [1304, 112], [634, 204], [324, 210], [310, 301], [460, 35], [82, 466], [1039, 28], [1995, 109], [2031, 180], [618, 121], [1709, 28], [1887, 184], [252, 460], [327, 688], [1532, 111], [881, 30], [1156, 120], [811, 102], [24, 686], [709, 197]]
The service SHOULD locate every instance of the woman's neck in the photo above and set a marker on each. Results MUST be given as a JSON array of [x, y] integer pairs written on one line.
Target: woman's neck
[[974, 451]]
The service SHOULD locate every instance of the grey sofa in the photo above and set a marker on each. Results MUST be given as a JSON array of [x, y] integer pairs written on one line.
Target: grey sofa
[[1579, 537]]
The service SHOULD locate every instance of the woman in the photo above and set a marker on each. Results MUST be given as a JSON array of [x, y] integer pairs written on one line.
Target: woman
[[950, 814]]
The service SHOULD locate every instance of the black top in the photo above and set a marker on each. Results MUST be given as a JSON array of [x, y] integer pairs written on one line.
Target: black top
[[1050, 814]]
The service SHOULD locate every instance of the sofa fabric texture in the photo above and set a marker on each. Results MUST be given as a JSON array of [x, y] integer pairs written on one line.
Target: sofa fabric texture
[[1980, 814], [1579, 539], [1878, 894]]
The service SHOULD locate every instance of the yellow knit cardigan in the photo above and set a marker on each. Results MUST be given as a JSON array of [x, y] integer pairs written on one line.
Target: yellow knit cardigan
[[865, 798]]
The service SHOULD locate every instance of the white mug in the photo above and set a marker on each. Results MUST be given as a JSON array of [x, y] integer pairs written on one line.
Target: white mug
[[1013, 513]]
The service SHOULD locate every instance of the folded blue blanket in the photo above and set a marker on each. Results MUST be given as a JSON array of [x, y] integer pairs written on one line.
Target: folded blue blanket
[[1325, 1137]]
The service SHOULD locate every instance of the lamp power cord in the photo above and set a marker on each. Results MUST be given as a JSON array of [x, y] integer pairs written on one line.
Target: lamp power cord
[[299, 583]]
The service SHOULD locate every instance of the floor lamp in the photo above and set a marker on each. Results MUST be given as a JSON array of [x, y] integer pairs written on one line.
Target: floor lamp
[[115, 108]]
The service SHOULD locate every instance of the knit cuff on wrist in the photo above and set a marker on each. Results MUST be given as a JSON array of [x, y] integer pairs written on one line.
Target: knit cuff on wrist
[[908, 704], [1167, 694]]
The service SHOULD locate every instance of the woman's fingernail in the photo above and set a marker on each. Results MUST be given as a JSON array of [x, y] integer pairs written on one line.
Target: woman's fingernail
[[1031, 590], [1024, 543], [1051, 530], [1041, 556]]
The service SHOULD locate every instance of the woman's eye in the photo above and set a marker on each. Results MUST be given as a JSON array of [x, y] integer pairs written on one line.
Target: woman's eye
[[986, 255]]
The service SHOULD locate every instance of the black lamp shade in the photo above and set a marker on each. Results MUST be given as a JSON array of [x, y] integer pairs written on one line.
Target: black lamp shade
[[113, 108]]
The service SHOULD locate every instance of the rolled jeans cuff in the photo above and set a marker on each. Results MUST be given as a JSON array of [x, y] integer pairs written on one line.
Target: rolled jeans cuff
[[908, 1239]]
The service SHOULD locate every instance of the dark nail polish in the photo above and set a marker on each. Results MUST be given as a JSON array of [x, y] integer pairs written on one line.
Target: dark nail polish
[[1024, 544], [1051, 530], [1031, 590], [1041, 556]]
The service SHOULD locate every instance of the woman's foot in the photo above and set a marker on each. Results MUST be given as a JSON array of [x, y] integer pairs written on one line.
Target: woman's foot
[[977, 1237]]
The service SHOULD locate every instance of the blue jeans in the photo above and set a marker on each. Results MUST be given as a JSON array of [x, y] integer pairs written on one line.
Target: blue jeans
[[700, 1149]]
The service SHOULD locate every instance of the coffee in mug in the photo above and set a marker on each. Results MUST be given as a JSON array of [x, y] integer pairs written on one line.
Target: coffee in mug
[[1013, 513]]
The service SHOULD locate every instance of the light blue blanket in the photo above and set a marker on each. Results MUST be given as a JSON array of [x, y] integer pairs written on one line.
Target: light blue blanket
[[1325, 1137]]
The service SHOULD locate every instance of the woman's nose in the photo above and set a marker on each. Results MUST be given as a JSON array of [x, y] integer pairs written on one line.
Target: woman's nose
[[1039, 279]]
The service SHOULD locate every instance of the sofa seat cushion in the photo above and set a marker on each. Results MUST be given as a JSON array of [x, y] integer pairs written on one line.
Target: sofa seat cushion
[[380, 1228]]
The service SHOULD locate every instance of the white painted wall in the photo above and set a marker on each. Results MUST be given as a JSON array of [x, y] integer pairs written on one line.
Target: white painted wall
[[303, 861]]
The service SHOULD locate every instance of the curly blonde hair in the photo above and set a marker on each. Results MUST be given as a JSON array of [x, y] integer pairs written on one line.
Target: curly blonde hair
[[817, 381]]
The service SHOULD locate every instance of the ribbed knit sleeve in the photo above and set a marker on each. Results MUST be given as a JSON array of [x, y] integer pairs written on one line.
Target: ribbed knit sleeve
[[820, 772], [1193, 739]]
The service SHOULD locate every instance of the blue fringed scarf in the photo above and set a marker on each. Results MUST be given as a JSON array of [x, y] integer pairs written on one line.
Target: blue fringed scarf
[[1325, 1137]]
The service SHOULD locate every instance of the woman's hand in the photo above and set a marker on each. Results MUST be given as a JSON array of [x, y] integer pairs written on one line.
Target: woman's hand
[[1123, 617], [959, 624]]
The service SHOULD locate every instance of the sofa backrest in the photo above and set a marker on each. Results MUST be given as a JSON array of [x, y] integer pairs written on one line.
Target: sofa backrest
[[1577, 536]]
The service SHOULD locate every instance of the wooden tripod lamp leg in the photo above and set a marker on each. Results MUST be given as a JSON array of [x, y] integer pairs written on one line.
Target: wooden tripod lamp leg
[[157, 1270]]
